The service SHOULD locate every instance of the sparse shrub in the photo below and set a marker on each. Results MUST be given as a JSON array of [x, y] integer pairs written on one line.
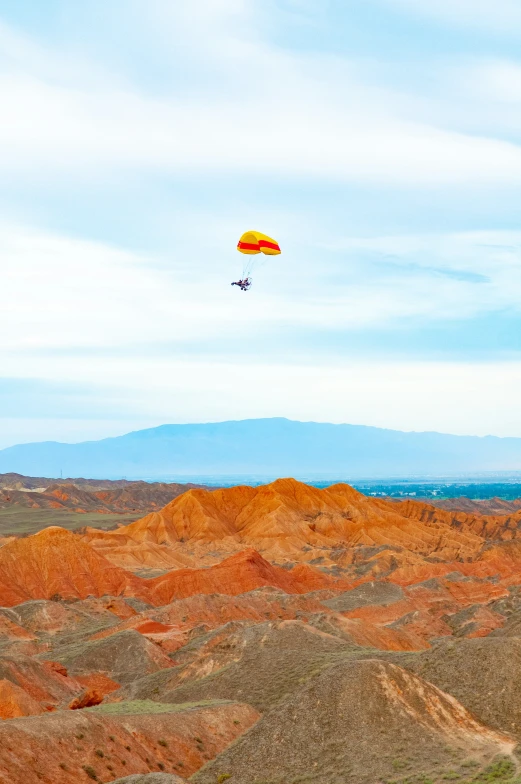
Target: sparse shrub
[[398, 764], [109, 767], [223, 777], [500, 769], [91, 773], [100, 752], [63, 766], [127, 748], [236, 721], [123, 762], [112, 738], [198, 740], [56, 597], [162, 742], [160, 765], [451, 776], [79, 735]]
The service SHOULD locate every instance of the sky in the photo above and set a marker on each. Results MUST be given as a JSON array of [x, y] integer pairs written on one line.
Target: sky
[[378, 142]]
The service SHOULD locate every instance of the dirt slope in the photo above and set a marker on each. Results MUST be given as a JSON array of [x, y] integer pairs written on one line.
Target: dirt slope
[[15, 701], [175, 624], [348, 723], [258, 664], [478, 506], [366, 595], [46, 682], [151, 778], [114, 741], [483, 674], [123, 656], [49, 620]]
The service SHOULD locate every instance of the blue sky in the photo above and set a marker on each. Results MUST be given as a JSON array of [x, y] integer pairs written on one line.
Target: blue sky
[[379, 142]]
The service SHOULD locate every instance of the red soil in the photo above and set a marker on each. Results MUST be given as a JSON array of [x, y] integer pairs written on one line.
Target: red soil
[[56, 748], [56, 563], [99, 682], [288, 520], [14, 701], [235, 575]]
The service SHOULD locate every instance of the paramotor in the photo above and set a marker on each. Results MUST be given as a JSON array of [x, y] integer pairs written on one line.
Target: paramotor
[[251, 244]]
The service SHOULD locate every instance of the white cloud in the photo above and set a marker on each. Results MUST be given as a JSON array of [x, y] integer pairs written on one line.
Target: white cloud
[[232, 102], [464, 398], [494, 80], [265, 111], [59, 292], [457, 275], [502, 16]]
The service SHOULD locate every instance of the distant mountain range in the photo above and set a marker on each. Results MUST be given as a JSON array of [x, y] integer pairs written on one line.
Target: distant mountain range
[[266, 448]]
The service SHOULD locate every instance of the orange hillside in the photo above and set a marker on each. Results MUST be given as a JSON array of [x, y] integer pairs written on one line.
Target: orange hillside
[[285, 520], [57, 563]]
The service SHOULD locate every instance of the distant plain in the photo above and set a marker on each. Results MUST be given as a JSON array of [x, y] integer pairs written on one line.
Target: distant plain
[[22, 521]]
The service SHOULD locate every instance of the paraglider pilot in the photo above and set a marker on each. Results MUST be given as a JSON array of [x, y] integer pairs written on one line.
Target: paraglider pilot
[[244, 285], [251, 244]]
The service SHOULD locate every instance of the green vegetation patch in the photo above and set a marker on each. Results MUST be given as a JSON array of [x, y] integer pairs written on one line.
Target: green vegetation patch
[[501, 770]]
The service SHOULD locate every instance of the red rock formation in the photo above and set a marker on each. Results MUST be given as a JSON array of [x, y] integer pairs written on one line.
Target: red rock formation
[[426, 609], [10, 630], [496, 527], [34, 683], [87, 699], [365, 538], [98, 682], [171, 626], [378, 636], [285, 518], [235, 575], [15, 701], [86, 496], [211, 611], [55, 667], [478, 506], [61, 746], [56, 563]]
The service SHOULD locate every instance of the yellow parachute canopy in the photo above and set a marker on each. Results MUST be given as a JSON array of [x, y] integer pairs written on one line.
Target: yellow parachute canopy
[[254, 242]]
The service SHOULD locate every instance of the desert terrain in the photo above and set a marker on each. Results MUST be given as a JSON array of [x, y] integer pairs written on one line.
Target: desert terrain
[[28, 504], [266, 635]]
